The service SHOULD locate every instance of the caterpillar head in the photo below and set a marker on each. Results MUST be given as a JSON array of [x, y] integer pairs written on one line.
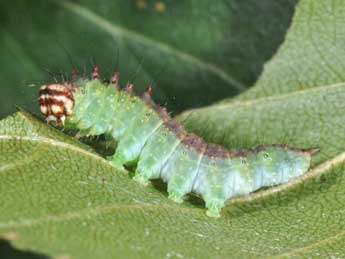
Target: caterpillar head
[[56, 102]]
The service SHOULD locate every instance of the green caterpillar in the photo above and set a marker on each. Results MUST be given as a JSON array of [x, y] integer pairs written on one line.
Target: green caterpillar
[[161, 148]]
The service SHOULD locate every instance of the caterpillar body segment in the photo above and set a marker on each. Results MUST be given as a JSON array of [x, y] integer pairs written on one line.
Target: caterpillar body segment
[[156, 152], [181, 170], [161, 148]]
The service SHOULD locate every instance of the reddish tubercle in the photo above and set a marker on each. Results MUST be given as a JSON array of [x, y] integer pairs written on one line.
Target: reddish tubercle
[[129, 88], [114, 78], [75, 74], [95, 72], [149, 90]]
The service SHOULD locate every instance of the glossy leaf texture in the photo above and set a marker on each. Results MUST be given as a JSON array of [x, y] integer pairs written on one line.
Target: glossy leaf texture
[[192, 52]]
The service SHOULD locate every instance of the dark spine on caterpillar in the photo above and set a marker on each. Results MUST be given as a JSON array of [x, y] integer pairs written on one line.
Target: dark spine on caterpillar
[[161, 148]]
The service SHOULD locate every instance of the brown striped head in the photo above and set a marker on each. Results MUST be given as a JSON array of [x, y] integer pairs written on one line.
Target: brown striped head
[[56, 102]]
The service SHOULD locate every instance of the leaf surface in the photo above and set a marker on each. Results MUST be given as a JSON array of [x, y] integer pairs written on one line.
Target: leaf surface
[[192, 52], [311, 55], [298, 100], [61, 199]]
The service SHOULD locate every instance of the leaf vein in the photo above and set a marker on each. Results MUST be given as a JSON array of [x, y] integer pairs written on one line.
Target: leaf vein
[[315, 244], [267, 100]]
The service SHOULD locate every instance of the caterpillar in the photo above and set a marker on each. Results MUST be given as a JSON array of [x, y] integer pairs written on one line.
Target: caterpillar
[[160, 147]]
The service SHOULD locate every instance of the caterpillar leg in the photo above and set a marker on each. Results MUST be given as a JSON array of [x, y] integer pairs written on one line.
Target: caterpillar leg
[[82, 133], [132, 143], [214, 207], [175, 194], [180, 172], [155, 154], [119, 159], [180, 184], [128, 150], [149, 166], [116, 163], [142, 178]]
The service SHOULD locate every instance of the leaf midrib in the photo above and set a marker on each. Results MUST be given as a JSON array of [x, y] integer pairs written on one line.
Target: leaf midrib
[[317, 243], [267, 100], [90, 212], [60, 144]]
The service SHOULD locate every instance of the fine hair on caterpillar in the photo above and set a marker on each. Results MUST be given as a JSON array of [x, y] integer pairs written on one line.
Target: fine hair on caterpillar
[[159, 147]]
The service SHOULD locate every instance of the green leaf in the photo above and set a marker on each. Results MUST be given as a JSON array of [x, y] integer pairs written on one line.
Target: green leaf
[[61, 199], [311, 55], [215, 48], [298, 100]]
